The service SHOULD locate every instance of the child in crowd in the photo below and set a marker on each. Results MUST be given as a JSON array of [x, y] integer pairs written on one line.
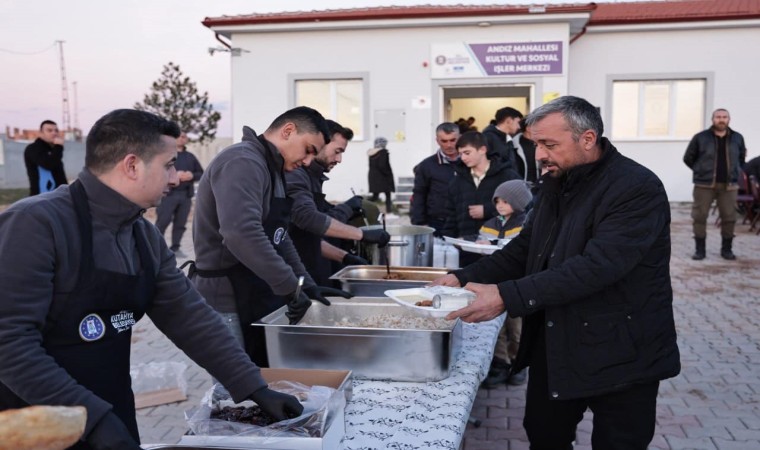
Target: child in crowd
[[512, 198]]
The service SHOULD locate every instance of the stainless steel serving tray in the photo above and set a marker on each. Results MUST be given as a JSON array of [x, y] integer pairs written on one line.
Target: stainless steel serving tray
[[398, 354], [367, 281]]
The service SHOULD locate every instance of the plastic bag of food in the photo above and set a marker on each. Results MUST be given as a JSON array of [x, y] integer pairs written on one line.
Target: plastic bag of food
[[158, 383], [218, 415]]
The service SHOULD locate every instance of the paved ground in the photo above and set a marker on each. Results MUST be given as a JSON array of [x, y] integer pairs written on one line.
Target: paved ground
[[713, 404]]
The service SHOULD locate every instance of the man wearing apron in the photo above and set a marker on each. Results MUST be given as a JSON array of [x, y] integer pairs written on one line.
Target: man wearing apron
[[81, 266], [314, 217], [246, 266]]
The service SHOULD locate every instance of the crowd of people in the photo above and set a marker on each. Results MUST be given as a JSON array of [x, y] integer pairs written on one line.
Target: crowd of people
[[584, 278]]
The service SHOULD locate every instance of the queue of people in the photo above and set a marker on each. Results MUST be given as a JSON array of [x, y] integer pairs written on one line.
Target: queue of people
[[584, 279]]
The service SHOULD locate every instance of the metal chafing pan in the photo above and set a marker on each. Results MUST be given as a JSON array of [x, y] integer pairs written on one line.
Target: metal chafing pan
[[368, 281], [322, 341]]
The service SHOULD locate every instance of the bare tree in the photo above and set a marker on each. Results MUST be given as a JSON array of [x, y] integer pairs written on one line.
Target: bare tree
[[175, 97]]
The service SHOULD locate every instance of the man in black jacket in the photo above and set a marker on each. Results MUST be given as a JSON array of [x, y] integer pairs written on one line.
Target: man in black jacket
[[498, 134], [432, 177], [715, 157], [589, 274], [44, 160]]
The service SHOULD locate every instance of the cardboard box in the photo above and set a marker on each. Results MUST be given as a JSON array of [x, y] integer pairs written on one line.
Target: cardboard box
[[336, 428]]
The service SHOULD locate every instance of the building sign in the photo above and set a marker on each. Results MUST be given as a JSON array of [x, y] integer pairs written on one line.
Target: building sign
[[463, 60]]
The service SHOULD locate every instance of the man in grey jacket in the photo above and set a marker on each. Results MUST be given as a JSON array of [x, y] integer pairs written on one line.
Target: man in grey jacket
[[246, 264], [715, 156], [81, 266]]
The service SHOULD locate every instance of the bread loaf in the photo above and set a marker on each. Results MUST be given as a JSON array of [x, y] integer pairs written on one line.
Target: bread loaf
[[41, 427]]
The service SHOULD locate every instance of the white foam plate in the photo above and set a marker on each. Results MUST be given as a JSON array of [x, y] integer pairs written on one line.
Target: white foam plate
[[408, 297]]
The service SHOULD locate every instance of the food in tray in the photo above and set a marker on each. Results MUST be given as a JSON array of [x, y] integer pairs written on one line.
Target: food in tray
[[426, 303], [413, 299], [252, 415], [394, 276], [391, 321]]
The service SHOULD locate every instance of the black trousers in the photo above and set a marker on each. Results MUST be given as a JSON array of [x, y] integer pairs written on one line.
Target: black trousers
[[176, 205], [622, 420]]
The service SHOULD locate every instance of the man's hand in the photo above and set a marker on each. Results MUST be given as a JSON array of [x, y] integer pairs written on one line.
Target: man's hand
[[487, 304], [318, 293], [110, 433], [379, 237], [297, 307], [185, 175], [476, 211], [354, 260], [446, 280], [277, 405], [58, 141]]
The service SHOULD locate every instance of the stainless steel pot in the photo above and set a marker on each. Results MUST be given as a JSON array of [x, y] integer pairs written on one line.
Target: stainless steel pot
[[410, 245]]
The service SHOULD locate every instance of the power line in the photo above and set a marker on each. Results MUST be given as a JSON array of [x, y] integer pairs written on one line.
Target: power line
[[14, 52]]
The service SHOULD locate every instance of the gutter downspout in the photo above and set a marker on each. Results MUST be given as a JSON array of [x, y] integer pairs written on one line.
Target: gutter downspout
[[229, 47], [577, 36]]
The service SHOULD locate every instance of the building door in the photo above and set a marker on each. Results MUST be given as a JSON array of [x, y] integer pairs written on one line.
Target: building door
[[481, 102]]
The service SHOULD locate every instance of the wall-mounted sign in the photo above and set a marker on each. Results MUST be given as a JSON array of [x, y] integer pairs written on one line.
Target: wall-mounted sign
[[463, 60]]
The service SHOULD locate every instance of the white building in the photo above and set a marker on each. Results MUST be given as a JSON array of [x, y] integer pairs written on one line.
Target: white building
[[656, 69]]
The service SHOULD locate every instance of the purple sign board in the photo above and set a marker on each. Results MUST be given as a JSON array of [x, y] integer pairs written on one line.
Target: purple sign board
[[519, 58]]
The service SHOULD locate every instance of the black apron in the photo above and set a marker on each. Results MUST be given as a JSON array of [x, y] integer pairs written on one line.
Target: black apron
[[89, 333], [254, 298], [309, 246]]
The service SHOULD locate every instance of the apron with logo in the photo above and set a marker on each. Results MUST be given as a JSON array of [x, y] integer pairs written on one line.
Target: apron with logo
[[254, 298], [89, 333]]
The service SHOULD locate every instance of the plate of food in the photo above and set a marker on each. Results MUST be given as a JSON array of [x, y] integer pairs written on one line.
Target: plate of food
[[480, 247], [432, 301]]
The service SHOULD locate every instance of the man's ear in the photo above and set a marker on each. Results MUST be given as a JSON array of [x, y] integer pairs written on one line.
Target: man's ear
[[588, 139], [129, 166], [287, 130]]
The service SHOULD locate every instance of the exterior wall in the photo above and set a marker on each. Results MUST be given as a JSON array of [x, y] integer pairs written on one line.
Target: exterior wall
[[393, 61], [719, 54]]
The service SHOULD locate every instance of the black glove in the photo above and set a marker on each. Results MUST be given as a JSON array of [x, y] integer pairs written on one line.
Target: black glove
[[354, 260], [297, 307], [277, 405], [318, 293], [355, 203], [110, 433], [379, 237]]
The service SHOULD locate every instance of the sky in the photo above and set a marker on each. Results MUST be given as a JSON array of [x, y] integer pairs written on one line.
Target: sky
[[114, 50]]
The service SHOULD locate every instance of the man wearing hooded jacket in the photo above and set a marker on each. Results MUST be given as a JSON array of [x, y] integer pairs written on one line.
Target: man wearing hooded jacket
[[81, 265], [589, 274]]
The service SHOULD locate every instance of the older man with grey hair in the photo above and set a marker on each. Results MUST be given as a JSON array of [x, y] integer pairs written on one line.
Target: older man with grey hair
[[589, 275]]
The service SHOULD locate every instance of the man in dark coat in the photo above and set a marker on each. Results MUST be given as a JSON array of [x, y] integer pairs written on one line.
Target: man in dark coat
[[523, 152], [506, 124], [381, 173], [44, 160], [432, 177], [589, 274], [715, 156]]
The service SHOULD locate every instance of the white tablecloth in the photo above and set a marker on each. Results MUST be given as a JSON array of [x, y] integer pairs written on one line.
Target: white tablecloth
[[407, 416]]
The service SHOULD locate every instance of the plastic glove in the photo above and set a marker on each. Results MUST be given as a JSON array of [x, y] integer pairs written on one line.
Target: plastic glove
[[277, 405], [318, 293], [379, 237], [355, 203], [110, 433], [354, 260], [297, 307]]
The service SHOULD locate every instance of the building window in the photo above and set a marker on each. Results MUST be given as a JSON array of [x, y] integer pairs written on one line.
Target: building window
[[657, 108], [339, 100]]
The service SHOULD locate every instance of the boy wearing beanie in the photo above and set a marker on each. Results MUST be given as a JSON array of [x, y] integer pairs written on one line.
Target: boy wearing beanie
[[511, 198]]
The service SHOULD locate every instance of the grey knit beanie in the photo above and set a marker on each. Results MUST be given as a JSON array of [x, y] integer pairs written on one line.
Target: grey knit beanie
[[380, 142], [514, 192]]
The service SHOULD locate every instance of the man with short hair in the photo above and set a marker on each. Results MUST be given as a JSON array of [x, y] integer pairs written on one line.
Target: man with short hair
[[314, 218], [507, 124], [469, 201], [179, 201], [589, 274], [246, 264], [715, 156], [44, 160], [432, 177], [81, 265]]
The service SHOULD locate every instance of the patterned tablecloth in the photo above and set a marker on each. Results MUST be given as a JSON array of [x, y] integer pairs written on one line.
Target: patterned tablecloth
[[412, 416]]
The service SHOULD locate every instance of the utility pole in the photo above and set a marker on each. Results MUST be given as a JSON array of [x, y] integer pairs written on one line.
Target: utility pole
[[66, 122], [77, 130]]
